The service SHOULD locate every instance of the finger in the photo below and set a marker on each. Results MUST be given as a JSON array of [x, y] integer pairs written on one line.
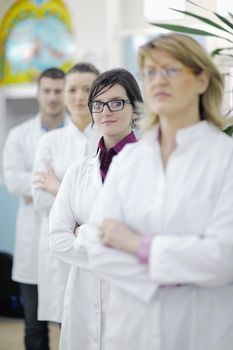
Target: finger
[[40, 174], [49, 168], [40, 186], [38, 182]]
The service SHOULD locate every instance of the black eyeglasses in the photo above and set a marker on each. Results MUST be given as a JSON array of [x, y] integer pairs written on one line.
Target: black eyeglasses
[[113, 105]]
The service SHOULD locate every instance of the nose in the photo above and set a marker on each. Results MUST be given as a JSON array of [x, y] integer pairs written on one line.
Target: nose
[[106, 110], [53, 96], [79, 95], [162, 75], [159, 79]]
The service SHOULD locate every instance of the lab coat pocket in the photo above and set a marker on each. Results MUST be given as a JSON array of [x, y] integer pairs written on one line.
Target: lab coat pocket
[[198, 214]]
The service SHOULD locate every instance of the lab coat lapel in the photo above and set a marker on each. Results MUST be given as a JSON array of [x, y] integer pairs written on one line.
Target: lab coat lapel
[[94, 172]]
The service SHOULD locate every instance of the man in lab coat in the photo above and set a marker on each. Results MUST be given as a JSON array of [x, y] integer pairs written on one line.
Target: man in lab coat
[[18, 158]]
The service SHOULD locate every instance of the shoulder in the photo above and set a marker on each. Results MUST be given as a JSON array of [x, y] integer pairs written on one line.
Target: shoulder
[[79, 169], [55, 136], [51, 135], [25, 126], [130, 152], [23, 132], [224, 141], [127, 161]]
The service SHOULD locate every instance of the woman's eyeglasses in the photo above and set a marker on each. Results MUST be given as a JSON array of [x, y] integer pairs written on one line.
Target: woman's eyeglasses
[[169, 72], [113, 105]]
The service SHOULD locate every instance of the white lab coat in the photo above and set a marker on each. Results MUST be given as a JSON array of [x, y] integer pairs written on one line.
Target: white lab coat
[[18, 157], [86, 295], [61, 148], [183, 299]]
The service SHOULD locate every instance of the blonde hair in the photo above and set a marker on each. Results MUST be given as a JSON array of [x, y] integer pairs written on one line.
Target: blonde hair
[[189, 52]]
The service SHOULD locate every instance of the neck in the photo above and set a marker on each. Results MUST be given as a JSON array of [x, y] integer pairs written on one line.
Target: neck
[[81, 123], [168, 128], [112, 140], [52, 122]]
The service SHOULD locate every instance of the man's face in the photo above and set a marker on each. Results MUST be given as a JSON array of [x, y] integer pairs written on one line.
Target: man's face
[[51, 96]]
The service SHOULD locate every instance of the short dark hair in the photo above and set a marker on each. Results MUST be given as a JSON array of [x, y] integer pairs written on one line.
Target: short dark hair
[[53, 73], [110, 78], [83, 67]]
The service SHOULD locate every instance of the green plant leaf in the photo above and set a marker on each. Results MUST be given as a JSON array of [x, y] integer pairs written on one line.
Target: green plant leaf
[[221, 49], [203, 19], [228, 130], [201, 7], [220, 54], [212, 24], [224, 20], [188, 30]]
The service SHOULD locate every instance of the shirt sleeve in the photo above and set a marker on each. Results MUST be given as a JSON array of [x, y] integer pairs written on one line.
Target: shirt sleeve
[[62, 224], [43, 200], [143, 251], [17, 176], [121, 269], [206, 259]]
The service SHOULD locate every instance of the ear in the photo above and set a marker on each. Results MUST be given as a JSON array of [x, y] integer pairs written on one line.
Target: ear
[[132, 123], [38, 94], [203, 82]]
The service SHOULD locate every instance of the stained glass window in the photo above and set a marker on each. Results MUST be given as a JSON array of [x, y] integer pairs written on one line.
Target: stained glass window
[[35, 35]]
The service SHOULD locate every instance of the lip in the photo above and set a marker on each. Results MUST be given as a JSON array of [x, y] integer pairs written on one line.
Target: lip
[[53, 104], [160, 94], [108, 122]]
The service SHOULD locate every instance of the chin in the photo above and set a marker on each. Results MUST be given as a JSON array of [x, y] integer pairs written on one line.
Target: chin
[[108, 132], [162, 111], [54, 113]]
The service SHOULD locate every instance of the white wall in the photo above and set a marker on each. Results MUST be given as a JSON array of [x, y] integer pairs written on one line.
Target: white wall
[[89, 22], [101, 25]]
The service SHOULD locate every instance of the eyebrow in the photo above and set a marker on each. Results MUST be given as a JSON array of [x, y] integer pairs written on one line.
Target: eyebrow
[[164, 65], [80, 86], [114, 98]]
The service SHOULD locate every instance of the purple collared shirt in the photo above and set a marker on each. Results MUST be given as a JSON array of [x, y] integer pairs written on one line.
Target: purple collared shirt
[[106, 156], [143, 251]]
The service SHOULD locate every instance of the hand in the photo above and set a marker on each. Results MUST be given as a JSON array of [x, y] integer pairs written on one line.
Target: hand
[[117, 235], [47, 181]]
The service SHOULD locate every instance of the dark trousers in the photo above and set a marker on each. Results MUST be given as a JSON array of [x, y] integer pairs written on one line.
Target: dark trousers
[[36, 332]]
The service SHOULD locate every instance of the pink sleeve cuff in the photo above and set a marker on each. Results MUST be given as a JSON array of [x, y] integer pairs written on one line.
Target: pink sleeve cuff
[[143, 251]]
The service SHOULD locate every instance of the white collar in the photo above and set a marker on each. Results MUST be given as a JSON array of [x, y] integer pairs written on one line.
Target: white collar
[[182, 135]]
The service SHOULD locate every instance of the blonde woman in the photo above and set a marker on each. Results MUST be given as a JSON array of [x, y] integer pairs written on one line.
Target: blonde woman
[[161, 230]]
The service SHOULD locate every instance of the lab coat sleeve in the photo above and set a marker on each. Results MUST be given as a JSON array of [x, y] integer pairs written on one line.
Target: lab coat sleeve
[[205, 260], [62, 225], [121, 269], [43, 200], [17, 176]]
